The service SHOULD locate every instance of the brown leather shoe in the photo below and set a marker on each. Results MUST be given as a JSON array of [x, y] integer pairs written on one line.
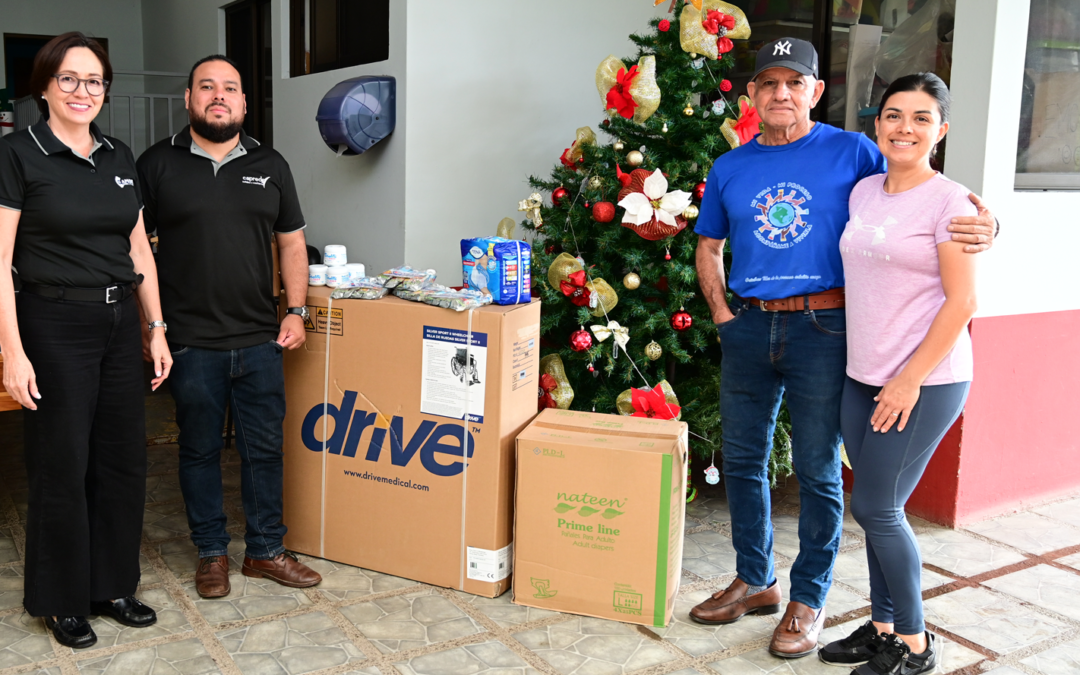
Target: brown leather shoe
[[797, 634], [285, 569], [730, 604], [212, 577]]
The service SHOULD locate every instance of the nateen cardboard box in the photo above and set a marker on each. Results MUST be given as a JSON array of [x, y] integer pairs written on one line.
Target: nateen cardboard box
[[599, 516], [376, 473]]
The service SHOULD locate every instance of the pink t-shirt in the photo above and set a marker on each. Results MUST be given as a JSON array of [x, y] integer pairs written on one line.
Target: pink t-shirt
[[892, 277]]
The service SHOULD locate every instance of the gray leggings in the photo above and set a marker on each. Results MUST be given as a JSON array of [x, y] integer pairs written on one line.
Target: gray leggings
[[887, 467]]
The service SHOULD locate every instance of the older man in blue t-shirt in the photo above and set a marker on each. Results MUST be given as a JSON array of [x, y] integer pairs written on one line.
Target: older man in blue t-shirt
[[782, 201]]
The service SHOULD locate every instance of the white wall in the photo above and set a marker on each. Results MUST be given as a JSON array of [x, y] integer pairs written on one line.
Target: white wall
[[496, 91], [1031, 268]]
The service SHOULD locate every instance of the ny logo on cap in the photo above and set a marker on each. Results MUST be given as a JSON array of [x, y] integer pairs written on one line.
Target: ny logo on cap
[[782, 48]]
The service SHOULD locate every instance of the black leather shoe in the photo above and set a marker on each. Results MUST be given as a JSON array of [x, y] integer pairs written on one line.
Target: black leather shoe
[[72, 631], [127, 611]]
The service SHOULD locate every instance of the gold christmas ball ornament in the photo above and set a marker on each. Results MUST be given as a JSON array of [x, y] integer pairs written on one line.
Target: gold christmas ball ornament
[[618, 146], [595, 183], [693, 55], [688, 111], [691, 212], [631, 281], [653, 351], [635, 158]]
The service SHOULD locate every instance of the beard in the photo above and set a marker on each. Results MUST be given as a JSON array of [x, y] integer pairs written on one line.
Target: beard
[[219, 132]]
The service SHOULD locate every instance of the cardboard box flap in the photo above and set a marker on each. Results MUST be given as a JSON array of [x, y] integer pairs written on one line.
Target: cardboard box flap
[[610, 425]]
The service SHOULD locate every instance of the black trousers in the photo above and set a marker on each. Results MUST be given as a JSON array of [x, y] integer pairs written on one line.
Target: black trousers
[[85, 453]]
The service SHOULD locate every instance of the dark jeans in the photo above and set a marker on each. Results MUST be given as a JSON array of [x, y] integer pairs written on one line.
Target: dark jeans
[[252, 382], [887, 467], [800, 356], [85, 453]]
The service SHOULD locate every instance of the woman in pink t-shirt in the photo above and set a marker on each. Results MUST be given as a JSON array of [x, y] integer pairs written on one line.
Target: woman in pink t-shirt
[[910, 295]]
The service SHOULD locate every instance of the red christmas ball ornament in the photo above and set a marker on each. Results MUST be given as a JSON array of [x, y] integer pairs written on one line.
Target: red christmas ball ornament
[[580, 340], [667, 256], [699, 192], [681, 320], [606, 123], [591, 368], [725, 85], [586, 203], [603, 212], [549, 249], [664, 26], [558, 195]]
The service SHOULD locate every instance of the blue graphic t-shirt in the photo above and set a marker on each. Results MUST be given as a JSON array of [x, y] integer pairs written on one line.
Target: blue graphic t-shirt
[[784, 207]]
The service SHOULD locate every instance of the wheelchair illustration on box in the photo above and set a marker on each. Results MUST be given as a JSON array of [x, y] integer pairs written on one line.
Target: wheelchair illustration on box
[[463, 371]]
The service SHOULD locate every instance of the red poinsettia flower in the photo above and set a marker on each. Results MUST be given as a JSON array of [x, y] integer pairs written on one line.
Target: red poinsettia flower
[[618, 97], [653, 403], [749, 123], [573, 287], [547, 385]]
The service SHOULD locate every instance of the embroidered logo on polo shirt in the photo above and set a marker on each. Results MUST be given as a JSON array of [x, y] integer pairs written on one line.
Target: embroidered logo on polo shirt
[[256, 180], [781, 215], [124, 182]]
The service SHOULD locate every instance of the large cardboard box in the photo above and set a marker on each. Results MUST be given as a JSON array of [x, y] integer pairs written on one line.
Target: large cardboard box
[[600, 509], [376, 473]]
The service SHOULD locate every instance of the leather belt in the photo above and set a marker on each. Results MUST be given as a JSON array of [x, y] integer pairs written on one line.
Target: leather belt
[[107, 295], [830, 299]]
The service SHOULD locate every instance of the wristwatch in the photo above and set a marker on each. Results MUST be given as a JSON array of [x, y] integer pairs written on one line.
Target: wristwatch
[[302, 311], [157, 324]]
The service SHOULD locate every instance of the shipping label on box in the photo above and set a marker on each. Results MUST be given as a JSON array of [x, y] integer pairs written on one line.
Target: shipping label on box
[[599, 515]]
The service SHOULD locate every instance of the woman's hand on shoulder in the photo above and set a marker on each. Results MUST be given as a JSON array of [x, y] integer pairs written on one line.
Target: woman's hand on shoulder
[[895, 402], [160, 357], [20, 380]]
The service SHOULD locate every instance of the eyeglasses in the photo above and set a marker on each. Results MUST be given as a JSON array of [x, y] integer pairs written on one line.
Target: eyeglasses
[[69, 84]]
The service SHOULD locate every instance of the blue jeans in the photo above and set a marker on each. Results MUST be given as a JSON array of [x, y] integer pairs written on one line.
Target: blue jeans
[[801, 356], [252, 382]]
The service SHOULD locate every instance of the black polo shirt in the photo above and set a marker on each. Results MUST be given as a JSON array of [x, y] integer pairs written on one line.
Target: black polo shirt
[[77, 212], [214, 224]]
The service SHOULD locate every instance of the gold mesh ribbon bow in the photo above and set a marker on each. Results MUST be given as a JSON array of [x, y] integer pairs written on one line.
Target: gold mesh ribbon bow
[[642, 89], [692, 34], [563, 394], [531, 207], [584, 136], [620, 333]]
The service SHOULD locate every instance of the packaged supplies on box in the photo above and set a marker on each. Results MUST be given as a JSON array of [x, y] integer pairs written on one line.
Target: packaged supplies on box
[[501, 268]]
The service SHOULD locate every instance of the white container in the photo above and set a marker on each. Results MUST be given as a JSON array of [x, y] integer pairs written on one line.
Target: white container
[[334, 254], [316, 275], [337, 276], [356, 271]]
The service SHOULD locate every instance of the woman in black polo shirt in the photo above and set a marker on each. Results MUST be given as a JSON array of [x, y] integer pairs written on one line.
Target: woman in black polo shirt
[[71, 226]]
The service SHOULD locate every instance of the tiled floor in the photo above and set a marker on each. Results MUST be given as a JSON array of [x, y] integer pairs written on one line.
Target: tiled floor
[[1004, 595]]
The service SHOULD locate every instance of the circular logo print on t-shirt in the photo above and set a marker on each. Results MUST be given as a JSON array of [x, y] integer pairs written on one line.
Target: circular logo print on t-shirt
[[781, 215]]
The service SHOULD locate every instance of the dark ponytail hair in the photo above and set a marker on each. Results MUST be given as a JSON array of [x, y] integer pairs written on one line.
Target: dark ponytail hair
[[927, 82]]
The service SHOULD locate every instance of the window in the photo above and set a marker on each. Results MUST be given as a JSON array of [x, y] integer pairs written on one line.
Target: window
[[1048, 149], [331, 34]]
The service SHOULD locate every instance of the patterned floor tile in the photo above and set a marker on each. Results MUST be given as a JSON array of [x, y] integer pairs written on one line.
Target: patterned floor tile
[[1066, 512], [962, 554], [838, 601], [249, 599], [1044, 586], [852, 569], [1004, 670], [491, 658], [1063, 659], [187, 657], [951, 655], [410, 621], [162, 459], [171, 621], [18, 498], [147, 574], [502, 609], [344, 582], [11, 587], [1029, 532], [300, 644], [163, 488], [786, 536], [8, 551], [710, 511], [990, 620], [697, 640], [761, 662], [23, 640], [708, 554], [586, 645], [1072, 561]]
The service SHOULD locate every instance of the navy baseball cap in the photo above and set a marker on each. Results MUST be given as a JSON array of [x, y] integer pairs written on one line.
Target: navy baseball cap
[[798, 55]]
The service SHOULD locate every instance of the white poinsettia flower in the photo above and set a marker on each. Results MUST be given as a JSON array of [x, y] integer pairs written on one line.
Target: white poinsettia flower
[[654, 202]]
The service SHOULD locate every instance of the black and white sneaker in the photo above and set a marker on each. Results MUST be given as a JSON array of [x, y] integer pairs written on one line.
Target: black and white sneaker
[[895, 658], [857, 648]]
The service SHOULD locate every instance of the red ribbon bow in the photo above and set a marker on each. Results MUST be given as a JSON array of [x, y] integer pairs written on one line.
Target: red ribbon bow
[[749, 123], [547, 385], [653, 403], [715, 19], [618, 97], [574, 288], [567, 162]]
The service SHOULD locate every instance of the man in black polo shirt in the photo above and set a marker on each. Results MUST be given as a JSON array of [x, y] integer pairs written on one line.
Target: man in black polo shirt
[[216, 197]]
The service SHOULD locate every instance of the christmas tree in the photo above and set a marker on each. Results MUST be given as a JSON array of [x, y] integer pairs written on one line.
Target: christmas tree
[[624, 325]]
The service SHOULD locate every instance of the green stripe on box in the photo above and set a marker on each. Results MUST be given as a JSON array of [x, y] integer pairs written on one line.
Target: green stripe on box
[[660, 594]]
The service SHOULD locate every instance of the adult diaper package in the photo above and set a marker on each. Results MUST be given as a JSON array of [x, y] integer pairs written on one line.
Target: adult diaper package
[[498, 267]]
